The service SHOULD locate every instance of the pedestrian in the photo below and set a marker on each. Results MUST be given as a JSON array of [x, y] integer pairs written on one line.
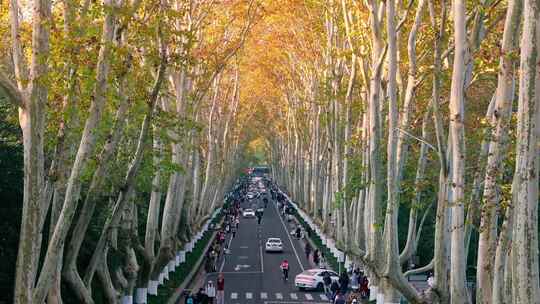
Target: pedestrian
[[316, 257], [334, 288], [211, 292], [237, 221], [344, 282], [354, 280], [340, 298], [353, 297], [298, 231], [364, 287], [200, 297], [190, 299], [322, 261], [327, 281], [233, 231], [227, 228], [220, 289], [430, 280], [308, 250]]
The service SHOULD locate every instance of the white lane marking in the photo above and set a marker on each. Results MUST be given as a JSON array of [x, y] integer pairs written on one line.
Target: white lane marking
[[294, 296], [264, 295], [290, 240], [243, 247], [262, 258], [234, 295], [241, 272], [324, 297], [309, 297], [279, 296], [243, 257], [249, 295]]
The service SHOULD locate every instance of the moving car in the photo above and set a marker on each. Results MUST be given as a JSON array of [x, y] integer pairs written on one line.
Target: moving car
[[313, 278], [274, 245], [248, 213]]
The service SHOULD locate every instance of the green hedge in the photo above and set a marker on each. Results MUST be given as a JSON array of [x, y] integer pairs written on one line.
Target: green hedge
[[329, 257], [177, 277]]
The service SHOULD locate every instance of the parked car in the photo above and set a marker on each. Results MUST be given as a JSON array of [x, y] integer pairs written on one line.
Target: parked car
[[274, 245], [313, 278], [248, 213]]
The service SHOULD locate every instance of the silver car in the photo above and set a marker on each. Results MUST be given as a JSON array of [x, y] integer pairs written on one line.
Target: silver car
[[274, 245]]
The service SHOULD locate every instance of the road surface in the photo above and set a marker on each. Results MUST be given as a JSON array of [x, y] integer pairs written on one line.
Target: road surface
[[254, 276]]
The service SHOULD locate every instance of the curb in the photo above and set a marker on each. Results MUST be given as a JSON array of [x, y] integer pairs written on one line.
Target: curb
[[173, 299]]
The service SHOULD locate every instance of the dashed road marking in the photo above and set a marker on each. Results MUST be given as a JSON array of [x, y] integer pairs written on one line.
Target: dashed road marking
[[234, 295], [294, 296], [264, 295], [309, 297], [279, 296], [249, 295], [324, 297]]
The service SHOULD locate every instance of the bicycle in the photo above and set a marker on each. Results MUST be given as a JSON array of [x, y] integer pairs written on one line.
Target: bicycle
[[285, 274]]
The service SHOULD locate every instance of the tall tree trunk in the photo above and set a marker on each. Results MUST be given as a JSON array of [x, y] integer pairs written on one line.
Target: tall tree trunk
[[458, 291], [525, 241], [499, 136]]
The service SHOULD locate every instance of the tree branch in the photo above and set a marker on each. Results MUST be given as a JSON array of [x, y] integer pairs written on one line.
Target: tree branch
[[10, 89]]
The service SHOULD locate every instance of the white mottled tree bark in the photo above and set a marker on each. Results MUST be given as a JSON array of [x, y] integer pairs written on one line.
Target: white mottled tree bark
[[458, 291], [525, 278]]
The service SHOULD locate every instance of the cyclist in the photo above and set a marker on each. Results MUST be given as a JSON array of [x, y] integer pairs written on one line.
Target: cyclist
[[285, 268]]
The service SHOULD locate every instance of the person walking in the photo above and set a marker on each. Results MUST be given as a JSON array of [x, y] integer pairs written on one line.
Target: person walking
[[327, 281], [316, 257], [344, 282], [233, 230], [220, 289], [307, 250], [354, 279], [340, 298], [189, 299], [211, 292], [201, 297], [364, 287], [334, 288]]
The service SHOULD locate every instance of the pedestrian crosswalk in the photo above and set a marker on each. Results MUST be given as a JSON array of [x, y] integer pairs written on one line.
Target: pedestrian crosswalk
[[279, 296]]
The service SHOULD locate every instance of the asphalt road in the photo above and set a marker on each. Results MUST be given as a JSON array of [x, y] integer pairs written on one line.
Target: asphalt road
[[254, 276]]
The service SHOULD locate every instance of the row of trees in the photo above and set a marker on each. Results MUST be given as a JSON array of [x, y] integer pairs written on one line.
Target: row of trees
[[131, 128], [396, 104]]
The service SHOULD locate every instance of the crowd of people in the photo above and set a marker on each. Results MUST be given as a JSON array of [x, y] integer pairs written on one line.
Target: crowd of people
[[209, 294], [350, 288]]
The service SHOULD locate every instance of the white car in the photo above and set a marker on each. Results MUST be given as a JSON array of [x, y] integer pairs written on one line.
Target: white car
[[313, 278], [248, 213], [274, 245], [251, 195]]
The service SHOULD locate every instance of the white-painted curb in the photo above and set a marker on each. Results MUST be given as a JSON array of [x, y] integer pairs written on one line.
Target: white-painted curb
[[141, 296]]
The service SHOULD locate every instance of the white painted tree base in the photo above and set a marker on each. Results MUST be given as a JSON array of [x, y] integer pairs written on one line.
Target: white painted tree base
[[165, 273], [171, 266], [141, 296], [177, 260], [152, 287], [373, 293], [160, 279], [127, 300], [380, 298]]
